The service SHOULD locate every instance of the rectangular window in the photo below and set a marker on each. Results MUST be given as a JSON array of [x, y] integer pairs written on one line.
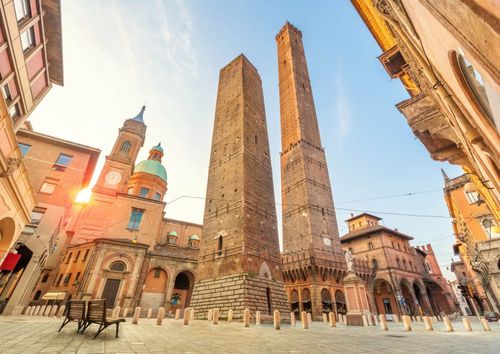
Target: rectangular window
[[135, 219], [130, 190], [85, 255], [157, 273], [387, 306], [157, 196], [472, 197], [77, 276], [23, 9], [62, 162], [36, 216], [24, 148], [6, 93], [28, 39], [59, 278], [77, 256], [48, 188], [67, 279], [69, 257], [144, 192], [14, 111]]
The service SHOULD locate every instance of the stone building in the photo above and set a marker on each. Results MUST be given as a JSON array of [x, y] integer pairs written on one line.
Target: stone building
[[58, 169], [312, 260], [30, 42], [404, 279], [445, 54], [477, 238], [239, 262], [118, 245]]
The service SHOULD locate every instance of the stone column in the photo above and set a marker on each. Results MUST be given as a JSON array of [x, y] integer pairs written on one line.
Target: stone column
[[304, 320], [230, 315], [257, 317], [177, 314], [292, 319], [325, 318], [215, 316], [149, 313], [137, 314], [246, 317], [331, 316], [209, 316], [277, 319], [161, 315], [187, 313]]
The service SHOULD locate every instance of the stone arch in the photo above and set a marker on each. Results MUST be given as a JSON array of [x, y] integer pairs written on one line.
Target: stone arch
[[111, 258], [264, 271], [326, 300], [385, 297], [306, 300], [155, 288], [294, 301], [8, 231], [340, 302], [407, 302], [183, 289]]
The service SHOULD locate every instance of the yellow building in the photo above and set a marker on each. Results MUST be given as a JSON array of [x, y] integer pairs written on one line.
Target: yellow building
[[476, 233]]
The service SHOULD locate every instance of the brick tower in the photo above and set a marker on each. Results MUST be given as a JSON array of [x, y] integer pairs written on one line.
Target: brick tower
[[312, 256], [239, 259]]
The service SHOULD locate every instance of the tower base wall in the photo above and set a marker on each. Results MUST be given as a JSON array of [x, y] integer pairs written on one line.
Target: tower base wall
[[238, 292]]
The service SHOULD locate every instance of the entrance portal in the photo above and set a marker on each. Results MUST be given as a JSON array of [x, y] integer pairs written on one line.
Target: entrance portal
[[110, 291]]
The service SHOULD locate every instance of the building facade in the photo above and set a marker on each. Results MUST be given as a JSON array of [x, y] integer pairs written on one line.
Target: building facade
[[477, 237], [118, 245], [30, 42], [405, 280], [57, 170]]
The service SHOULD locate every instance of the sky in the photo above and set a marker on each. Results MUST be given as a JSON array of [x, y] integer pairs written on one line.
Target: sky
[[120, 55]]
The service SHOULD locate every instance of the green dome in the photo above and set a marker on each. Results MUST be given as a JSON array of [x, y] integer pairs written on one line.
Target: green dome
[[153, 168], [194, 238], [172, 233]]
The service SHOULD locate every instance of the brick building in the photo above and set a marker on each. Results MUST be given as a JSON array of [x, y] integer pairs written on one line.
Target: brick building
[[404, 279], [57, 169], [30, 42], [118, 245]]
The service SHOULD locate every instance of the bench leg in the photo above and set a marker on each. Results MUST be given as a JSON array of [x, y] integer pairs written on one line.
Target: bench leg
[[85, 325], [117, 327], [102, 327], [65, 322]]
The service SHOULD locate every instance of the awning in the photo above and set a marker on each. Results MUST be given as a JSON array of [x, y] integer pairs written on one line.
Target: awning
[[10, 261], [54, 295]]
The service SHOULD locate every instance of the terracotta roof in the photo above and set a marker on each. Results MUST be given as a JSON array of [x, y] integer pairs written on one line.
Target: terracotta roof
[[370, 230]]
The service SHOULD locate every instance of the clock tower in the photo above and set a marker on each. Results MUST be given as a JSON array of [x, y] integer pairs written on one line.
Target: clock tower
[[120, 162]]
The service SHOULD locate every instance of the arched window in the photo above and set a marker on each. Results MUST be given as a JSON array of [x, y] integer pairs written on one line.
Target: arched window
[[118, 266], [219, 246], [370, 245], [404, 263], [126, 146], [374, 263], [37, 295], [398, 262]]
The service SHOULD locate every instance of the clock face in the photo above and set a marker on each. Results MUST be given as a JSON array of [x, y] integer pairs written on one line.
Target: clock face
[[113, 177]]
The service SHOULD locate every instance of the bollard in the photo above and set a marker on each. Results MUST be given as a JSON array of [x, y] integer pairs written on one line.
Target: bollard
[[370, 319], [365, 320], [467, 325], [27, 310], [257, 318], [395, 318], [32, 311], [325, 318], [61, 311], [486, 325], [419, 318], [383, 322], [304, 320], [428, 324], [406, 322], [191, 316], [137, 314], [149, 313], [292, 319], [42, 310], [447, 324], [47, 310], [210, 315], [215, 319], [230, 315], [277, 319], [309, 318], [246, 318], [161, 315], [177, 314], [126, 311], [435, 319], [187, 313], [331, 316], [116, 312], [54, 311], [341, 319]]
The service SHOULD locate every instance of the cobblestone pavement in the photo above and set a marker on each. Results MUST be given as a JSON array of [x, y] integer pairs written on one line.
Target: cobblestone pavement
[[26, 334]]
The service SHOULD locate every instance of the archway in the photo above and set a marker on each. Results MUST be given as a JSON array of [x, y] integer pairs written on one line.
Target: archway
[[406, 300], [420, 298], [113, 282], [183, 289], [306, 300], [326, 301], [340, 302], [294, 302], [385, 300], [7, 231], [155, 286], [438, 300]]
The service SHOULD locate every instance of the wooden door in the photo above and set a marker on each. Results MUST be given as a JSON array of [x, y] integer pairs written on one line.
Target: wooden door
[[110, 291]]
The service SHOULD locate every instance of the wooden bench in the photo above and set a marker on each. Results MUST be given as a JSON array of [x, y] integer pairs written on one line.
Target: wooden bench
[[75, 312], [96, 313]]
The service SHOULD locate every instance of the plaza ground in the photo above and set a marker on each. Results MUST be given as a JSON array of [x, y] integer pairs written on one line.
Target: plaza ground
[[30, 334]]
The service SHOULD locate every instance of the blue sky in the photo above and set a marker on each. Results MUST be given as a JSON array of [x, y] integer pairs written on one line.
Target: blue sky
[[119, 55]]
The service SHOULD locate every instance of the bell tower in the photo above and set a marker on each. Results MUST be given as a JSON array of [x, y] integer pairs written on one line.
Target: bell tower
[[120, 162]]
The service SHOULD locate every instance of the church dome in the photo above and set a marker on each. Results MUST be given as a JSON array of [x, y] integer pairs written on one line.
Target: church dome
[[194, 238], [152, 167], [153, 164], [172, 234]]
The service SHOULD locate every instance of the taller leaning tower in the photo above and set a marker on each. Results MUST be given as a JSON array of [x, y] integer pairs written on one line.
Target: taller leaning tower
[[310, 232], [239, 259]]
